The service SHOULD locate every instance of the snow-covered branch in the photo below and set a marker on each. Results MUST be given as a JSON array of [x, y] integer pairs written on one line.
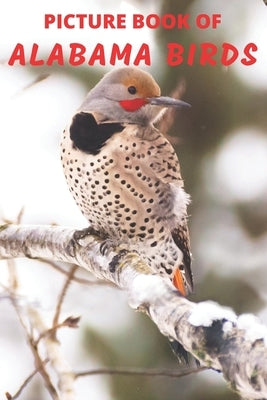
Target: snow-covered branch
[[236, 346]]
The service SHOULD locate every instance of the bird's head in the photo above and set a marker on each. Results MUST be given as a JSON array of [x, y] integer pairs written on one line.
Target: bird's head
[[128, 95]]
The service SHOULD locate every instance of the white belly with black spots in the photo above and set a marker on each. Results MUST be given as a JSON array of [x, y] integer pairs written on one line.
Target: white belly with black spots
[[124, 192]]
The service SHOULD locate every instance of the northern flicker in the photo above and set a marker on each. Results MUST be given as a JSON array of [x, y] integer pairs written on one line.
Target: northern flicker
[[125, 175]]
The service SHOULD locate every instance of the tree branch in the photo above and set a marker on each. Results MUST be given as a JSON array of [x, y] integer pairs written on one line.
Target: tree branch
[[236, 346]]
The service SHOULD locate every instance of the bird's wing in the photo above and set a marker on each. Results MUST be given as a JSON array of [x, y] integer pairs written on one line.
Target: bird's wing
[[167, 168], [183, 278]]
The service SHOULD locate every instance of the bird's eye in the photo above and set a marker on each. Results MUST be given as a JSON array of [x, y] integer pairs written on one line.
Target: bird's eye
[[132, 89]]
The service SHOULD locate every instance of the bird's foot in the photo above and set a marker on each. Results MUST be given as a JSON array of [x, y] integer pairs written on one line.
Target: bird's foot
[[82, 233], [78, 235], [117, 259], [108, 245]]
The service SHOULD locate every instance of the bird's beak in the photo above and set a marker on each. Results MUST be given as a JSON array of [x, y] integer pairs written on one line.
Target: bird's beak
[[165, 101]]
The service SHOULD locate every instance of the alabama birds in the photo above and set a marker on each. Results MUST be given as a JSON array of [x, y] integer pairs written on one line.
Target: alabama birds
[[125, 176]]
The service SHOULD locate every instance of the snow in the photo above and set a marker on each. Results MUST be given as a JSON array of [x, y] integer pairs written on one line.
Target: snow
[[206, 312], [145, 288], [254, 329], [227, 326]]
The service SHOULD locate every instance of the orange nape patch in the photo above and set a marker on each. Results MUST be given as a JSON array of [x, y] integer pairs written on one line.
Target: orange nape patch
[[179, 283]]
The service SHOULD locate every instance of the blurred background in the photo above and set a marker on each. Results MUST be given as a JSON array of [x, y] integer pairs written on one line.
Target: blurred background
[[222, 147]]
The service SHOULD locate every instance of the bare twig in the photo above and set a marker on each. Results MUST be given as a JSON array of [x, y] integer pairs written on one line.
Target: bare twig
[[24, 384], [20, 215], [12, 275], [56, 360], [34, 325], [40, 366], [70, 322], [83, 281], [61, 299], [13, 280], [167, 122], [140, 371]]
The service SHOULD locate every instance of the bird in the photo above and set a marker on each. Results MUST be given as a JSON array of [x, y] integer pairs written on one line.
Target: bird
[[125, 175]]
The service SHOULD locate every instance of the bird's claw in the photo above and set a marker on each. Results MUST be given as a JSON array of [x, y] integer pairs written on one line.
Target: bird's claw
[[82, 233], [77, 236], [107, 246]]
